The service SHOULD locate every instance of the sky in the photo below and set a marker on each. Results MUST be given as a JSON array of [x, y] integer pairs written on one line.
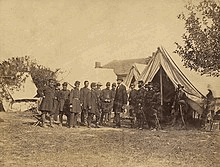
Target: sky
[[77, 33], [60, 32]]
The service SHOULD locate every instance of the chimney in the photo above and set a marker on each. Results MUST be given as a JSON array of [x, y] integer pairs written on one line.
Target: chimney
[[98, 65]]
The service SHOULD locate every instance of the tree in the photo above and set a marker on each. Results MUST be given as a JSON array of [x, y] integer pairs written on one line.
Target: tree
[[12, 69], [201, 48]]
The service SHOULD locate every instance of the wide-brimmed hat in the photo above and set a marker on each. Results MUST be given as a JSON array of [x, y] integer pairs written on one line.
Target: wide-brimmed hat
[[93, 84]]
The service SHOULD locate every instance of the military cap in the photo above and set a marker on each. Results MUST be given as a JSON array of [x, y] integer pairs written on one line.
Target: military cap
[[132, 84], [77, 83], [65, 84], [93, 84], [108, 84], [99, 83], [120, 78], [180, 86], [58, 84], [150, 84], [141, 81], [114, 84]]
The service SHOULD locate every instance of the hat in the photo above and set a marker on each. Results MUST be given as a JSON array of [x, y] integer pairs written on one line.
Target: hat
[[141, 81], [77, 83], [108, 84], [120, 78], [99, 83], [57, 84], [65, 84], [180, 86], [93, 84], [114, 84], [150, 84]]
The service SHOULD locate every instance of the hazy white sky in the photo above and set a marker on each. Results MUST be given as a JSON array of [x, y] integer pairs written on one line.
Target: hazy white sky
[[57, 32]]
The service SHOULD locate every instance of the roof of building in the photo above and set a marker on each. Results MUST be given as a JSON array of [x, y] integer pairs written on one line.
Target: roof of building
[[123, 66]]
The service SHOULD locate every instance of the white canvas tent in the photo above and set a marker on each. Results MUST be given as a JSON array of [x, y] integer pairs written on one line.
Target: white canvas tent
[[134, 73], [71, 75], [162, 69], [21, 97], [27, 89]]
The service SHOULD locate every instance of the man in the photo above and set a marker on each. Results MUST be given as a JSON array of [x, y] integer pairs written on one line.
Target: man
[[149, 113], [179, 99], [120, 101], [56, 103], [47, 104], [93, 105], [106, 98], [132, 103], [98, 92], [140, 115], [75, 107], [63, 105], [83, 95], [113, 94]]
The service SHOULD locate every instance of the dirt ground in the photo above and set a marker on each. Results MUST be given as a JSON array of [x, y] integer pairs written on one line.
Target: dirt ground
[[22, 144]]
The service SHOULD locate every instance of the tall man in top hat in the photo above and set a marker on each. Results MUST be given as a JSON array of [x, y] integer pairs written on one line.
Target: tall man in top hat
[[120, 101], [83, 95]]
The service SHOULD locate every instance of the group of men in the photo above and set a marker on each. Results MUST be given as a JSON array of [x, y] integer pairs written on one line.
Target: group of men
[[81, 106], [144, 104], [92, 106]]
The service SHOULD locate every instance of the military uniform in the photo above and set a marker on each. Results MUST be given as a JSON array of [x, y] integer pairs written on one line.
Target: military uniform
[[63, 106], [56, 103], [75, 107], [47, 104], [93, 105], [132, 105], [179, 99], [83, 95], [148, 110], [106, 98], [140, 115], [120, 100]]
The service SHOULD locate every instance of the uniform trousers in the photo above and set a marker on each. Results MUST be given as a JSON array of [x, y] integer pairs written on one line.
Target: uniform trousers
[[73, 117]]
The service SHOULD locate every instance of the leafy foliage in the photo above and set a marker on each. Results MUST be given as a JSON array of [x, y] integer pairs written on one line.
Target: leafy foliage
[[201, 49], [11, 71]]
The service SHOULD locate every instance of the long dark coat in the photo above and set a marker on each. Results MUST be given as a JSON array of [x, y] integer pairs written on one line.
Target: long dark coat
[[63, 98], [93, 102], [83, 95], [47, 103], [74, 99], [120, 98], [106, 98]]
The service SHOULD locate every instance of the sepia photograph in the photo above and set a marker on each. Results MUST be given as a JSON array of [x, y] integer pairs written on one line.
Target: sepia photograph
[[109, 83]]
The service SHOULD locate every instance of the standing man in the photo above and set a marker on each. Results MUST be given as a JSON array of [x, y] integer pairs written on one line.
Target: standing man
[[98, 92], [93, 105], [83, 95], [106, 98], [148, 106], [47, 104], [113, 94], [140, 115], [75, 107], [63, 99], [120, 101], [132, 103], [56, 102]]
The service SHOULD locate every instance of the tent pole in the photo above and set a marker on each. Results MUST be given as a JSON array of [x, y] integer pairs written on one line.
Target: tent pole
[[161, 86]]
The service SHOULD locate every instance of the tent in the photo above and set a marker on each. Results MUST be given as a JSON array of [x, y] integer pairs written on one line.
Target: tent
[[27, 89], [162, 69], [71, 75], [20, 98], [134, 73]]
